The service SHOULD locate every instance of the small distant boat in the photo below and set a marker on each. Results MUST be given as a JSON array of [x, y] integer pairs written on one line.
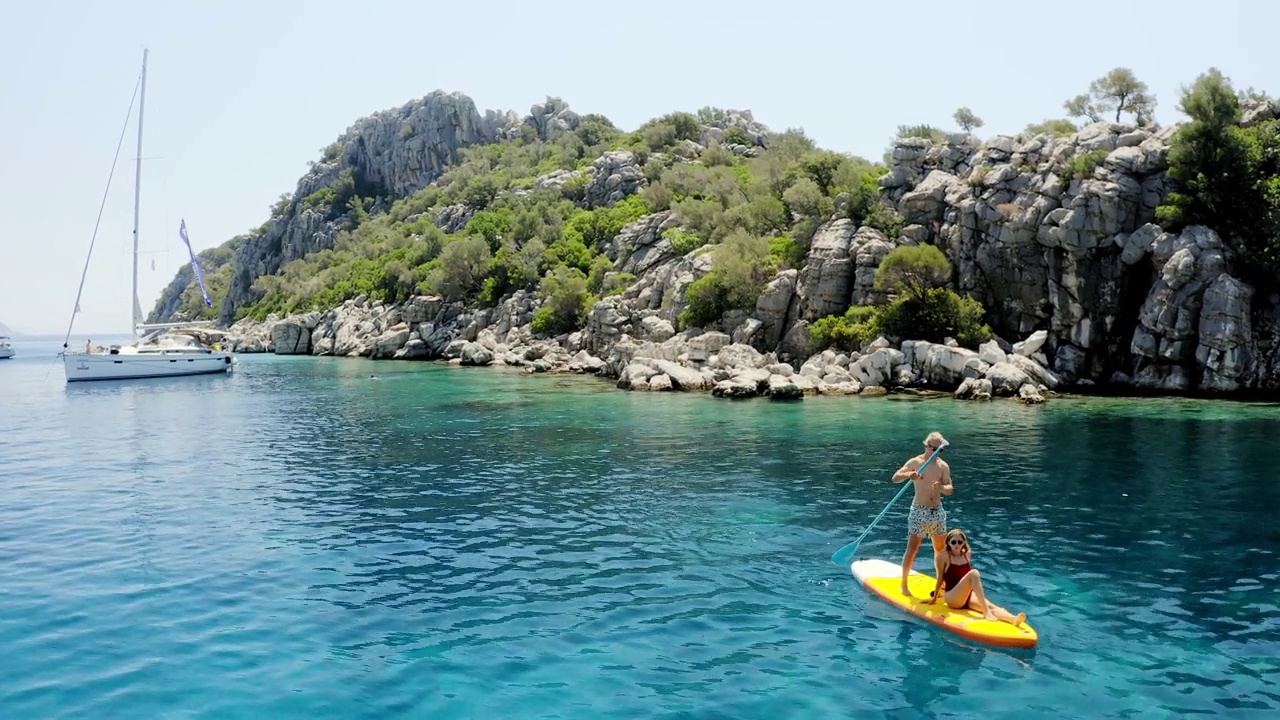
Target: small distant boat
[[162, 350], [6, 350]]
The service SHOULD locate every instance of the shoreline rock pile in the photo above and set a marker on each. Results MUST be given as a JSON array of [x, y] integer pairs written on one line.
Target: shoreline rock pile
[[426, 328]]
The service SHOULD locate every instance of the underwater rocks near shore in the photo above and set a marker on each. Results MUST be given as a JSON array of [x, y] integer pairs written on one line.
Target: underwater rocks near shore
[[656, 358]]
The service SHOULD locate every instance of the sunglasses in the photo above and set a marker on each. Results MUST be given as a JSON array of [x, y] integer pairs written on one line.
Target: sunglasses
[[956, 541]]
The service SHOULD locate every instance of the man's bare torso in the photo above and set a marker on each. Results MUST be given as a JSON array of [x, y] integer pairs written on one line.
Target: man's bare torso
[[929, 484]]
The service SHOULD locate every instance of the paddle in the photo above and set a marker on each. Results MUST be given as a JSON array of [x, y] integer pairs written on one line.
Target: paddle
[[842, 556]]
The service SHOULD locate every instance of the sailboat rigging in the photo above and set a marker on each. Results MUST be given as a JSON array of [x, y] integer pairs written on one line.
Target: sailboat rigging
[[162, 351]]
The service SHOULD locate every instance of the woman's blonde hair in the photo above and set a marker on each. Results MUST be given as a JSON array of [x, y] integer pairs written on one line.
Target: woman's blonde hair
[[953, 532]]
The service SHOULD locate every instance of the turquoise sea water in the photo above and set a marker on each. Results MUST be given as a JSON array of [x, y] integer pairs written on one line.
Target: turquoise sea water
[[300, 540]]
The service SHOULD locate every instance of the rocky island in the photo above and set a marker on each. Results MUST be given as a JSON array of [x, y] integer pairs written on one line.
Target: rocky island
[[704, 251]]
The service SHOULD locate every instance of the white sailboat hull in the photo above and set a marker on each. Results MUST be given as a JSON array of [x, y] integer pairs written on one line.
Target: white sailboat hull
[[6, 353], [129, 366]]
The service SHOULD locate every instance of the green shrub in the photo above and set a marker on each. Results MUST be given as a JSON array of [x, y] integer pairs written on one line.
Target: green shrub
[[682, 241], [912, 269], [480, 191], [923, 308], [927, 132], [821, 166], [615, 283], [600, 267], [790, 253], [566, 252], [1227, 177], [704, 302], [845, 332], [515, 267], [1082, 167], [594, 228], [1060, 127], [934, 315], [805, 199], [566, 302], [491, 225], [740, 268], [331, 152], [866, 206], [460, 269], [735, 135], [594, 130], [322, 197]]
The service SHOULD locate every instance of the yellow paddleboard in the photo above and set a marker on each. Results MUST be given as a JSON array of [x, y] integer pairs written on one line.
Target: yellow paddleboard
[[884, 579]]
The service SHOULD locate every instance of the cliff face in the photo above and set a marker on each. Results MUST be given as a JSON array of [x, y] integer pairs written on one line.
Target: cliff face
[[1055, 236], [1051, 234], [1058, 235], [388, 154], [395, 151]]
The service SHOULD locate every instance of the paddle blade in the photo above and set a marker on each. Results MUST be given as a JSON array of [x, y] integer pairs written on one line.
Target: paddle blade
[[844, 555]]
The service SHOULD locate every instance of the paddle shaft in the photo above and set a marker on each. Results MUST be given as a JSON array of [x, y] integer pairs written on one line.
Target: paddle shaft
[[840, 556]]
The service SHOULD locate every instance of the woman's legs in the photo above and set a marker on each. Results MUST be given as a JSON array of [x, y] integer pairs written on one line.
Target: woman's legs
[[969, 592], [997, 612]]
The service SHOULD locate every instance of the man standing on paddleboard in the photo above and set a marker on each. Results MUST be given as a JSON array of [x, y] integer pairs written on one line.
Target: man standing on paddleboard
[[926, 518]]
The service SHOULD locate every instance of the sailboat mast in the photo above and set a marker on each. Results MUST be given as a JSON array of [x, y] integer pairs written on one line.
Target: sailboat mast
[[137, 198]]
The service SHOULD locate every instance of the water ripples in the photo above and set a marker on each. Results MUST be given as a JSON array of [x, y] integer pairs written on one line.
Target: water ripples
[[302, 539]]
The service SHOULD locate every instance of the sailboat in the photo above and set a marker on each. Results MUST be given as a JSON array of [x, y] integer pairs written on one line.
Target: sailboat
[[157, 350]]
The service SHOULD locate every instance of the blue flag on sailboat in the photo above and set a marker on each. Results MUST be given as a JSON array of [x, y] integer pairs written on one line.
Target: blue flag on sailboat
[[195, 264]]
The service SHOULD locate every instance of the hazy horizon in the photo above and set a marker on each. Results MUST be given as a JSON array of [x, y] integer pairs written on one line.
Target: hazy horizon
[[240, 97]]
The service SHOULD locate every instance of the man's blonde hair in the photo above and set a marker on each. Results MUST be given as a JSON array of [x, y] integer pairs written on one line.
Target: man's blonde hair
[[934, 439]]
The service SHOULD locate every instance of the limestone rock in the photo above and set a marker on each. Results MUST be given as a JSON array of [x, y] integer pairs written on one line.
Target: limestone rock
[[739, 356], [1032, 344], [635, 374], [825, 283], [782, 388], [1030, 394], [614, 176], [1004, 378], [386, 345], [1225, 333], [974, 389], [660, 382], [640, 247], [290, 337], [776, 307], [585, 362], [473, 353], [990, 353], [655, 328], [735, 388], [940, 365]]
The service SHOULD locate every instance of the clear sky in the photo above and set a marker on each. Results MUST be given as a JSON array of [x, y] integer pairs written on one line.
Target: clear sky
[[242, 93]]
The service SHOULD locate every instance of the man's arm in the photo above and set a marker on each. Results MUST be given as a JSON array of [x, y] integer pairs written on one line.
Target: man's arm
[[907, 471], [947, 487]]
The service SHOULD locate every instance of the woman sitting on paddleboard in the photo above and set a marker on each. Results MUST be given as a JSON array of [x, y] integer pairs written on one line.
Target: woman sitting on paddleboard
[[963, 583]]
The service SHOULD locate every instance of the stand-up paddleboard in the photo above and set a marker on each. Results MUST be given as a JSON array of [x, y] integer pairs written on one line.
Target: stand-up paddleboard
[[884, 579]]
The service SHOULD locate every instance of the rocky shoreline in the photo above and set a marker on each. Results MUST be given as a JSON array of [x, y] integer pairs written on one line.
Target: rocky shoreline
[[656, 358], [1054, 236]]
